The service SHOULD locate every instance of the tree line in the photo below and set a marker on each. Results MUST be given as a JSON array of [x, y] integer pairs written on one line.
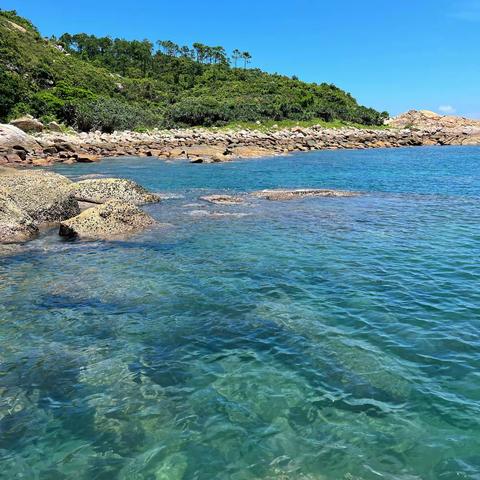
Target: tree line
[[120, 54]]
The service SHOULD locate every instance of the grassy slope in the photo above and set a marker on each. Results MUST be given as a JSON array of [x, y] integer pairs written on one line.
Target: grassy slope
[[27, 54]]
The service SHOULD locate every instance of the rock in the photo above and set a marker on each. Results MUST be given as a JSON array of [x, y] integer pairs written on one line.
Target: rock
[[176, 153], [13, 158], [424, 119], [15, 224], [251, 151], [54, 127], [28, 124], [212, 151], [45, 196], [83, 158], [50, 150], [100, 190], [113, 218], [42, 162], [222, 199], [207, 159], [11, 136], [294, 194], [62, 146]]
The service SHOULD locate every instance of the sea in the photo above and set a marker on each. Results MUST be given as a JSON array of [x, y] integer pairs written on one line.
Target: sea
[[312, 339]]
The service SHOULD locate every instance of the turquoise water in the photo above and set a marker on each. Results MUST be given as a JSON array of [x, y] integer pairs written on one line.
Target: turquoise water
[[316, 339]]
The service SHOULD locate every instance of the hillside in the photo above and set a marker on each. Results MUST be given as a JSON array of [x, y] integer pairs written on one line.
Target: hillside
[[94, 83]]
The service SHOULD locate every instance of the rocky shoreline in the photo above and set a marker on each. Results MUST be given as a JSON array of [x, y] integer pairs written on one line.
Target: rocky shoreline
[[205, 146]]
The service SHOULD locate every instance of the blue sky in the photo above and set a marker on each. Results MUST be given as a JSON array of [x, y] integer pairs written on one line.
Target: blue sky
[[392, 55]]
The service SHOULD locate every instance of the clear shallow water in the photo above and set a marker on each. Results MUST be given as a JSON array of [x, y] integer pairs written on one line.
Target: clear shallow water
[[316, 339]]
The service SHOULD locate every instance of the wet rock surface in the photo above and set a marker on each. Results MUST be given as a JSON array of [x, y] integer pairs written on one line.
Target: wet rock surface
[[112, 219], [100, 190]]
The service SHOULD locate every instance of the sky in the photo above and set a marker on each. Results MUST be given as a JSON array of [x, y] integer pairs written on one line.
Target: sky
[[392, 55]]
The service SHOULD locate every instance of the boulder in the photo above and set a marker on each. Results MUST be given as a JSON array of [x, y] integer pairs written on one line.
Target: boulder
[[28, 124], [15, 224], [11, 136], [284, 194], [112, 219], [54, 127], [222, 199], [45, 196], [84, 158], [100, 190]]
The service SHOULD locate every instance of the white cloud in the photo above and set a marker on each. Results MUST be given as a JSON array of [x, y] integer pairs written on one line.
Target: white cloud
[[446, 109]]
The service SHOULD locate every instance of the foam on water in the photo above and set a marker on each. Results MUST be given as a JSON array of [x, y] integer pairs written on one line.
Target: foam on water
[[324, 338]]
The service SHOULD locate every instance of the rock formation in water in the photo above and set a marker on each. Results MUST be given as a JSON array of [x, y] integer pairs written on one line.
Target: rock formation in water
[[222, 199], [113, 218], [15, 224], [31, 198], [45, 196], [103, 189], [293, 194]]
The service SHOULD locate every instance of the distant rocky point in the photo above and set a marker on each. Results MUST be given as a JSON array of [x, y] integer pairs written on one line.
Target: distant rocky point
[[425, 119]]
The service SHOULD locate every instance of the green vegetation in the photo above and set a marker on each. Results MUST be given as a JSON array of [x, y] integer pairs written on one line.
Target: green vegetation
[[111, 84]]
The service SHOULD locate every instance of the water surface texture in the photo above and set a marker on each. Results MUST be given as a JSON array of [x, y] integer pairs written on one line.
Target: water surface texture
[[316, 339]]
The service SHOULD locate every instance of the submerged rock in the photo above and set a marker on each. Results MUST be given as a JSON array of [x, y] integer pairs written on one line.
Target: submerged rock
[[284, 194], [101, 190], [113, 218], [45, 196], [15, 224], [222, 199]]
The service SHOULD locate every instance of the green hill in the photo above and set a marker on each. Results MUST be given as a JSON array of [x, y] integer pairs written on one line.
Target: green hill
[[113, 84]]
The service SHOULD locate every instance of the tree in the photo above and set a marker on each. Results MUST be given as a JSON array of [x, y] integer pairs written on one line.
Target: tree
[[219, 55], [169, 48], [186, 52], [246, 58], [236, 55], [200, 51]]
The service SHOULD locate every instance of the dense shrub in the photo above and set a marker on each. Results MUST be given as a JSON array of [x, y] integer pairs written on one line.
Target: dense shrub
[[198, 111], [12, 91], [45, 103], [108, 115]]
